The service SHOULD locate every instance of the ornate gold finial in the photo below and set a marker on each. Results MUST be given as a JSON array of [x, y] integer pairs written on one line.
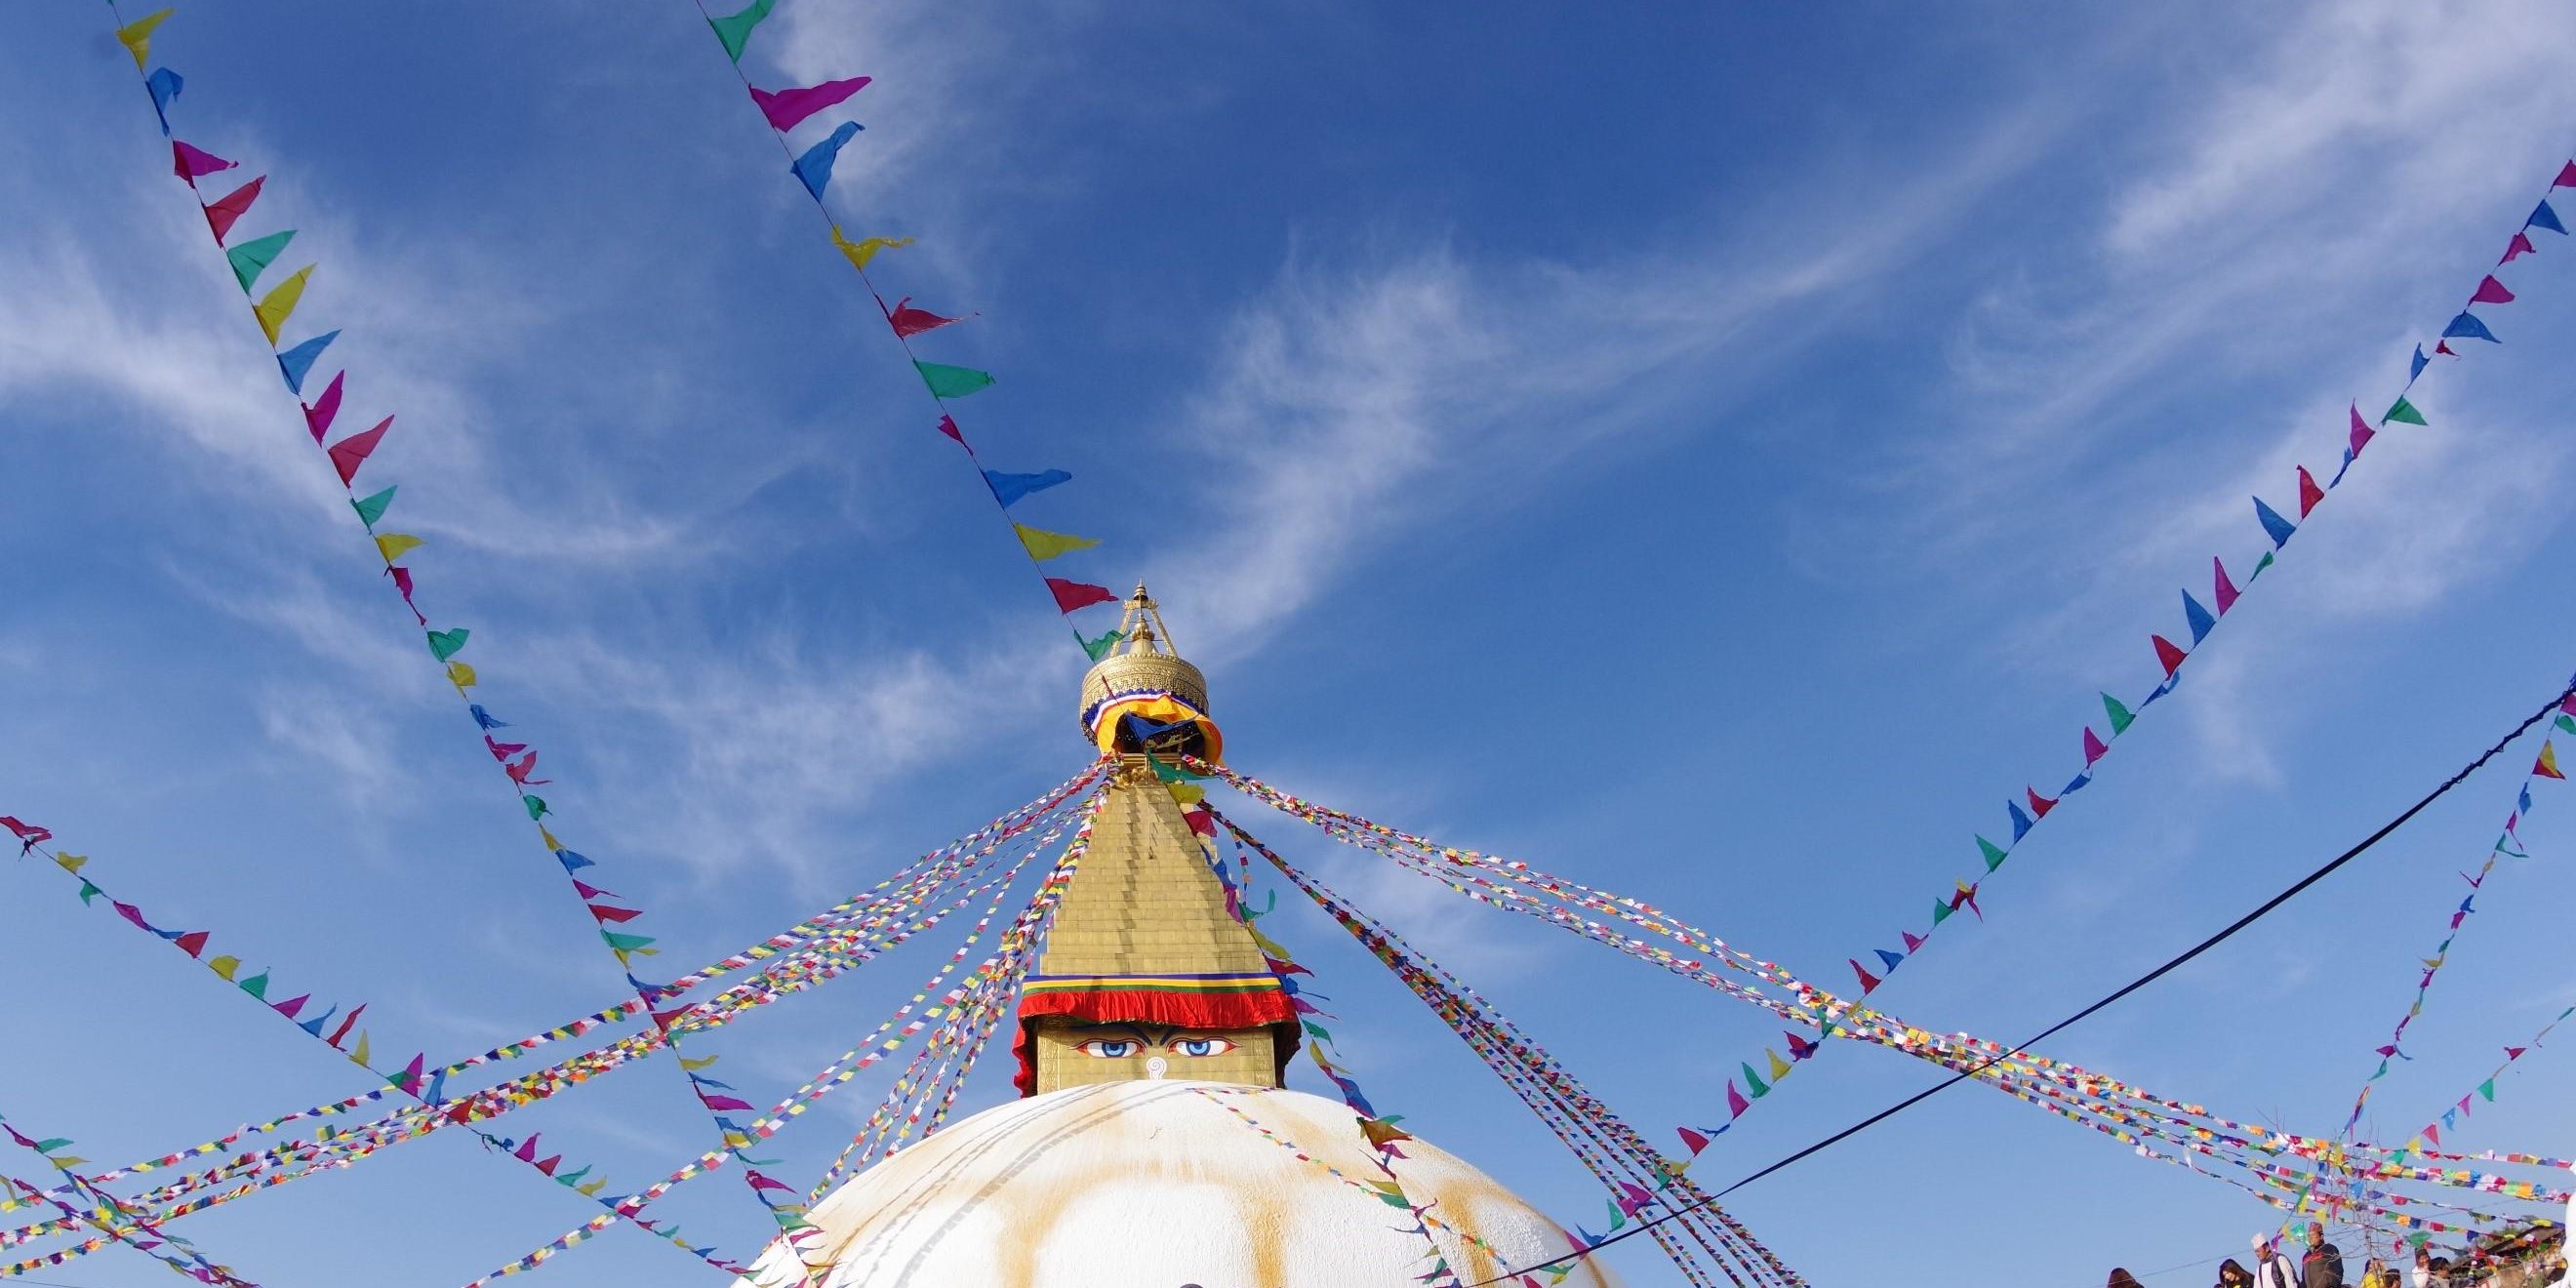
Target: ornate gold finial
[[1141, 695]]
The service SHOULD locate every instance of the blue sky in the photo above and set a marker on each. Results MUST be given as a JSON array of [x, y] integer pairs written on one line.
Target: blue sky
[[1713, 452]]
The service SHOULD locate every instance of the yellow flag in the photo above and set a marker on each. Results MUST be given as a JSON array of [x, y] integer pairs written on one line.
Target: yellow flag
[[2548, 760], [860, 252], [592, 1188], [272, 310], [1043, 545], [460, 675], [1187, 793], [393, 544], [1779, 1067], [693, 1065], [136, 36], [359, 1057], [70, 862], [548, 838], [224, 965]]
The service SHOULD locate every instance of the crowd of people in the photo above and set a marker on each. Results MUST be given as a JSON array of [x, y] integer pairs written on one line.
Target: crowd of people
[[2319, 1264]]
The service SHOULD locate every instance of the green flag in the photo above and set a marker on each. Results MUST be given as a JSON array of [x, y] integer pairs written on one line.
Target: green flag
[[1099, 648], [1940, 912], [1754, 1085], [2404, 413], [735, 30], [2567, 724], [1994, 853], [256, 986], [2120, 715], [252, 258], [2487, 1089], [372, 508], [445, 644], [952, 382], [2259, 566], [536, 804]]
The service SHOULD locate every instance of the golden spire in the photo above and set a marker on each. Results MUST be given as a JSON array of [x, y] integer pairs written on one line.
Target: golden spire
[[1142, 695]]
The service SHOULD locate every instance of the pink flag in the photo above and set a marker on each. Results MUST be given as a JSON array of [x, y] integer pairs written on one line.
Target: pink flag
[[351, 452], [2093, 748], [2226, 588], [2309, 492], [2517, 248], [948, 426], [1913, 942], [318, 416], [908, 321], [1070, 595], [1736, 1104], [502, 751], [2361, 433], [192, 163], [2566, 177], [786, 107], [402, 582], [232, 206], [2491, 291], [528, 1148], [722, 1103]]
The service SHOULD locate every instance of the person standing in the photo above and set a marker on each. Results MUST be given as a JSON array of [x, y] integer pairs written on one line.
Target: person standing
[[2322, 1267], [2271, 1269]]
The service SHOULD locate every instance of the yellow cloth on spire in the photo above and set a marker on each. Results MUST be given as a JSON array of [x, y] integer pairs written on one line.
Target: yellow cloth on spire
[[136, 36], [273, 310], [1161, 709]]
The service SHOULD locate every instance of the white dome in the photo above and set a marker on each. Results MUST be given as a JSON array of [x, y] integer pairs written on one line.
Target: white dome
[[1156, 1185]]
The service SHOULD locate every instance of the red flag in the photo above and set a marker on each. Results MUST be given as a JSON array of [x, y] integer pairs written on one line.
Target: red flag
[[549, 1165], [232, 206], [2491, 291], [2444, 347], [192, 942], [318, 417], [27, 833], [2309, 492], [351, 452], [948, 426], [1691, 1140], [520, 770], [1070, 595], [2093, 747], [2040, 805], [605, 912], [908, 321], [346, 1025], [1868, 982], [2169, 655], [2514, 1053], [502, 751]]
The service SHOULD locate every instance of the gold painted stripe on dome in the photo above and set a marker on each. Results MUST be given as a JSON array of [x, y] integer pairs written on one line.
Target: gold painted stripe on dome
[[1136, 673]]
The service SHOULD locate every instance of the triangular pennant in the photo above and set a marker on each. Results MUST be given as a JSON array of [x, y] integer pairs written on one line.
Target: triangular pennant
[[1099, 648], [278, 305], [2274, 526], [1043, 545], [2198, 618], [814, 168], [164, 85], [252, 258], [2544, 217], [2404, 413], [295, 362], [372, 508], [229, 208], [908, 321], [2094, 749], [2168, 655], [1994, 854], [2468, 326], [787, 107], [1009, 488], [136, 36], [733, 31], [1071, 595], [192, 163], [945, 381], [318, 417], [2120, 716], [860, 252], [351, 452], [2491, 291], [2309, 492]]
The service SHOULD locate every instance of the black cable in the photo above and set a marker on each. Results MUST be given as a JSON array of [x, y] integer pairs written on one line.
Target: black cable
[[2124, 990]]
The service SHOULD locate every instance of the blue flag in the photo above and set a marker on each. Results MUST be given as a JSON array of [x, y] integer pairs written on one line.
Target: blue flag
[[2274, 524], [1893, 960], [2468, 327], [2201, 622], [2415, 366], [815, 167], [2020, 820], [1009, 488], [164, 84], [2544, 217], [295, 362]]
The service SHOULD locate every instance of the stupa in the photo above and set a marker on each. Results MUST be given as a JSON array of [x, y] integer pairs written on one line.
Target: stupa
[[1155, 1144]]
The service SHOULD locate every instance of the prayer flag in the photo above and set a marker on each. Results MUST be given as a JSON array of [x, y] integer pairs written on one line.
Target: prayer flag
[[445, 644], [786, 107], [1736, 1104], [908, 321], [2566, 177], [2467, 327], [2120, 715], [2415, 365], [2278, 528], [1070, 595], [2168, 655], [1043, 545], [1868, 982], [231, 207], [2309, 492], [274, 308], [2020, 821], [193, 163], [462, 675], [952, 382], [948, 426], [295, 362], [2226, 589], [165, 85], [2547, 765], [252, 258], [2039, 805], [2491, 291], [860, 252], [484, 719], [136, 36], [2403, 412], [1694, 1140], [392, 544], [2197, 618], [2361, 431], [371, 509], [1892, 960], [2094, 749], [318, 416], [1009, 488], [814, 168], [1994, 854], [733, 31], [2544, 217], [351, 452], [1099, 648]]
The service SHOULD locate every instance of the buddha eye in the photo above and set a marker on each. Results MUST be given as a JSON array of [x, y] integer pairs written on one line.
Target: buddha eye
[[1203, 1046], [1110, 1048]]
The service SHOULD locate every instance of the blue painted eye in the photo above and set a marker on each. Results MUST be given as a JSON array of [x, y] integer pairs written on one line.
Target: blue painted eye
[[1203, 1046], [1110, 1048]]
